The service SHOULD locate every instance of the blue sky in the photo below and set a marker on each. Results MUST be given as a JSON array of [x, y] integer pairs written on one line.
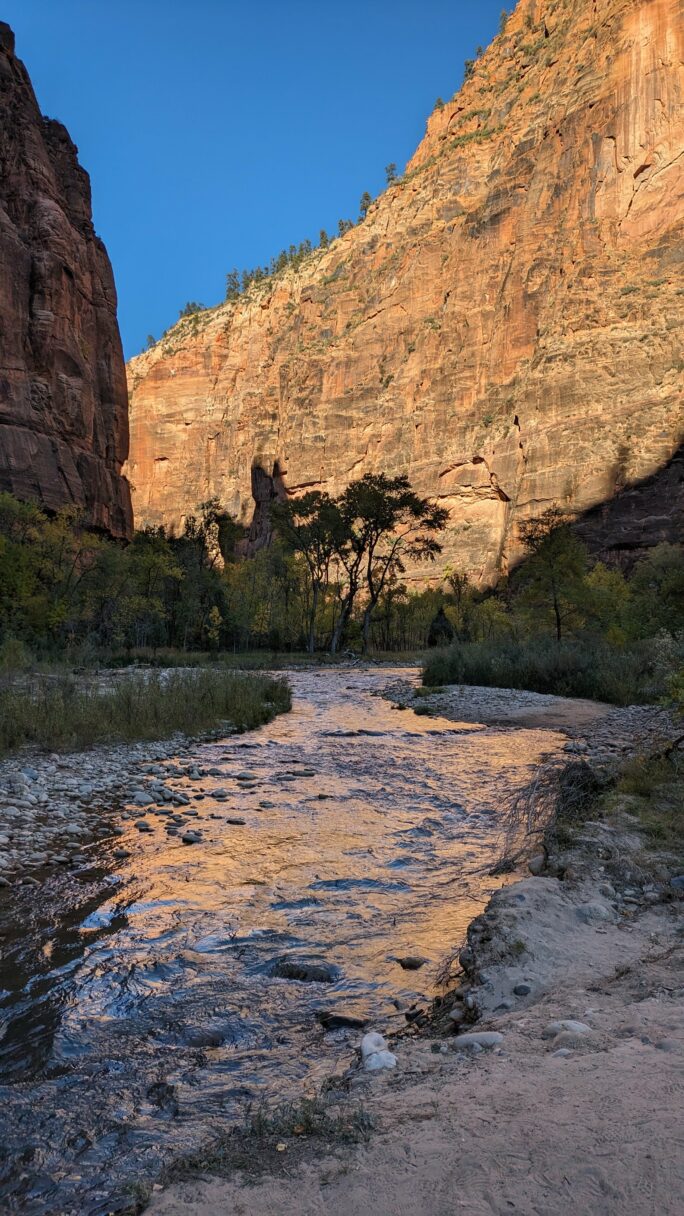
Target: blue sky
[[218, 132]]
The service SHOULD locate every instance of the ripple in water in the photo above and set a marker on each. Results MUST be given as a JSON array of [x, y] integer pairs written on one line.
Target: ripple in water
[[140, 1005]]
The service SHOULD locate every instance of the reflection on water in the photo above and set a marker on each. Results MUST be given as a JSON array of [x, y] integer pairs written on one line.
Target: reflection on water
[[139, 1005]]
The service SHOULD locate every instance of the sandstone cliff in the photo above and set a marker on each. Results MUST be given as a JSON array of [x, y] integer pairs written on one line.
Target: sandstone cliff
[[63, 403], [506, 324]]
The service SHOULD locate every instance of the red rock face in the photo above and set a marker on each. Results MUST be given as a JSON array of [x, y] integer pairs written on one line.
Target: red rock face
[[505, 326], [63, 402]]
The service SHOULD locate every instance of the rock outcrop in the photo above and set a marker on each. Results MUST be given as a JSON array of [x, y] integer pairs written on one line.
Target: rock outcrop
[[63, 402], [505, 325]]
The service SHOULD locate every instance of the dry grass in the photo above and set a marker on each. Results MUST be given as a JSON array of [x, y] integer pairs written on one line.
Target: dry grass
[[64, 712]]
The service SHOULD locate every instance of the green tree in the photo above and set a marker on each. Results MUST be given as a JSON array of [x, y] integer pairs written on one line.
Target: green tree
[[552, 576], [657, 592], [364, 204], [503, 20], [390, 173], [151, 341], [323, 239], [191, 308], [233, 284]]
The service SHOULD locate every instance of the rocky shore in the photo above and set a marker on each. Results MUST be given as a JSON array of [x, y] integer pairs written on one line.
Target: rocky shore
[[53, 807]]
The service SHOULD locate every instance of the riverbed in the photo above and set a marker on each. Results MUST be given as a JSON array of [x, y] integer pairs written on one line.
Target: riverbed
[[149, 991]]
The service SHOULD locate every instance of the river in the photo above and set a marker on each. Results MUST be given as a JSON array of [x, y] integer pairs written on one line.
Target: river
[[139, 1005]]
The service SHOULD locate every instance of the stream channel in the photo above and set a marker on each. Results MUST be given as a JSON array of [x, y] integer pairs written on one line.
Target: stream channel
[[139, 1009]]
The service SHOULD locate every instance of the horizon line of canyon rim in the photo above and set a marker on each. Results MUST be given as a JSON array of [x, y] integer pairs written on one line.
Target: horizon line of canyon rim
[[505, 325]]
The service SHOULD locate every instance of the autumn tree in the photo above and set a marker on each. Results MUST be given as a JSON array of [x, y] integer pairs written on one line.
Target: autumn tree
[[312, 525], [384, 523]]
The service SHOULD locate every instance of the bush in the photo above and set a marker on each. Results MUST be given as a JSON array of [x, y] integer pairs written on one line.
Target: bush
[[67, 713], [584, 668]]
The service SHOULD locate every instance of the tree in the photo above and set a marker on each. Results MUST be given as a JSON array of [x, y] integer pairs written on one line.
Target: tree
[[192, 307], [364, 204], [552, 577], [384, 522], [151, 341], [323, 239], [657, 592], [468, 68], [439, 104], [233, 284], [462, 602], [344, 226], [390, 173], [312, 525], [503, 20]]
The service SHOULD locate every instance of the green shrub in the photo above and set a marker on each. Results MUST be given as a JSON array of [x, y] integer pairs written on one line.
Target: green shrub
[[583, 668]]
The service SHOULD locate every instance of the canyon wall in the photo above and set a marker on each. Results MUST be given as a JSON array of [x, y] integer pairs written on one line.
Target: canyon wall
[[506, 325], [63, 400]]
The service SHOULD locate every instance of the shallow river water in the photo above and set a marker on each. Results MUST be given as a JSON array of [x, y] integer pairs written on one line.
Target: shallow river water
[[138, 1006]]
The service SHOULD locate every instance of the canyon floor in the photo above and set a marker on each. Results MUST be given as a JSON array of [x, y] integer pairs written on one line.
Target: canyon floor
[[141, 1018], [577, 1106]]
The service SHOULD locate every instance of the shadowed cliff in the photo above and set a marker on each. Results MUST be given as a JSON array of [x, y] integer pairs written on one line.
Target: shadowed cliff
[[63, 400]]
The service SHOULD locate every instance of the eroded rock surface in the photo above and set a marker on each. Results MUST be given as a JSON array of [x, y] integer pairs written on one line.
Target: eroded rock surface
[[505, 325], [63, 404]]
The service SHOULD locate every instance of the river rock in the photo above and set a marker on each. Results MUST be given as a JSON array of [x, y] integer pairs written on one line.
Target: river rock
[[479, 1038], [554, 1028], [191, 837], [412, 962], [595, 912], [304, 971], [375, 1053], [331, 1019]]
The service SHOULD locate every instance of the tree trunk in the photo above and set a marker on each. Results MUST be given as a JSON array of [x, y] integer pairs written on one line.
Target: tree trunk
[[556, 611], [366, 628], [338, 632], [311, 646]]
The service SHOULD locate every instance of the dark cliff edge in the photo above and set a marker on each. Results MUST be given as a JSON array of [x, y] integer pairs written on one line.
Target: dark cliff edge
[[63, 397]]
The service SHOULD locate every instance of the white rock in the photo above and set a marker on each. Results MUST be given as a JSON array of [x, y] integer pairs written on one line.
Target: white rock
[[374, 1052], [553, 1028]]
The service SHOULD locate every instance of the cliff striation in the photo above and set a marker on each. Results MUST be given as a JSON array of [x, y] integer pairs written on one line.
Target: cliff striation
[[506, 325], [63, 403]]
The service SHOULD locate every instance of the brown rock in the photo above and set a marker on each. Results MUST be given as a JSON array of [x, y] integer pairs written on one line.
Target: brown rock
[[63, 404], [505, 326]]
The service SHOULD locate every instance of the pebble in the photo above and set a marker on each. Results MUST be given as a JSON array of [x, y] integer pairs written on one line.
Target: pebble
[[412, 962], [522, 989], [191, 838]]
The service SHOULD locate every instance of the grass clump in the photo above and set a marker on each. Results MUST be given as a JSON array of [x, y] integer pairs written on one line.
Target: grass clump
[[579, 668], [271, 1140], [652, 790], [64, 712]]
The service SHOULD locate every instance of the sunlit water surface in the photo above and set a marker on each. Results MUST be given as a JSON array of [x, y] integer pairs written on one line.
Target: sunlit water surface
[[138, 1008]]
